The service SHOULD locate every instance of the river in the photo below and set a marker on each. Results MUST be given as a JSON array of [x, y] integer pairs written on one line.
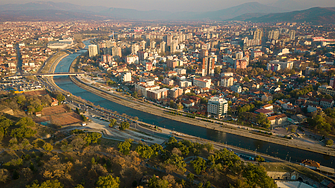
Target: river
[[283, 152]]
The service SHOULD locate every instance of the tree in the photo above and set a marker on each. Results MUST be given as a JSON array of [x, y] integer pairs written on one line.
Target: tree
[[329, 142], [48, 147], [22, 132], [124, 147], [156, 182], [177, 161], [124, 125], [262, 120], [256, 176], [246, 79], [46, 184], [26, 121], [60, 97], [171, 103], [190, 177], [180, 106], [135, 94], [108, 181], [199, 164], [112, 122], [259, 159], [217, 70], [144, 151], [209, 147]]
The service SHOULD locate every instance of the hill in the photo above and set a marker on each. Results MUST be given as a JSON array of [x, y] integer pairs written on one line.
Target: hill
[[246, 8], [68, 11], [316, 15]]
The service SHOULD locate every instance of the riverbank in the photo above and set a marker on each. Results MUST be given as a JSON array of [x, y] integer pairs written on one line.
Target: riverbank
[[240, 132]]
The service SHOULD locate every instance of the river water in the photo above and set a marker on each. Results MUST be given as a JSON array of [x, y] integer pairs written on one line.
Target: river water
[[283, 152]]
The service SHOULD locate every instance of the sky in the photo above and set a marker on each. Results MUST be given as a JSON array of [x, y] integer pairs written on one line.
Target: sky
[[182, 5]]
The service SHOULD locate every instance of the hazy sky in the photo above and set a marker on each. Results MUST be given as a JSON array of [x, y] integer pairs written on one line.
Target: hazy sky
[[179, 5]]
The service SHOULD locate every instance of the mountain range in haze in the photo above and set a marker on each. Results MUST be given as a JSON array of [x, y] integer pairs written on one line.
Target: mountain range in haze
[[253, 11]]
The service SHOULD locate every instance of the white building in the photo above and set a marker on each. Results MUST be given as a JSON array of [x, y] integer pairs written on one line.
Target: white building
[[202, 82], [276, 65], [142, 88], [227, 81], [180, 71], [217, 107], [130, 59], [185, 84], [92, 50], [126, 77]]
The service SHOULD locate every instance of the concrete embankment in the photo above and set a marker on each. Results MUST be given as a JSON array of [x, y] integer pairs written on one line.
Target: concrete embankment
[[232, 130]]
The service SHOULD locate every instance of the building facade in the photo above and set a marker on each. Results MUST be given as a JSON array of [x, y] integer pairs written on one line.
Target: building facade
[[217, 107]]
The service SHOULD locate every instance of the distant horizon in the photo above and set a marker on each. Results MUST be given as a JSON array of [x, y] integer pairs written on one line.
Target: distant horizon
[[185, 5]]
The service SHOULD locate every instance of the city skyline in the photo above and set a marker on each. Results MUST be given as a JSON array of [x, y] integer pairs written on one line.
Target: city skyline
[[186, 5]]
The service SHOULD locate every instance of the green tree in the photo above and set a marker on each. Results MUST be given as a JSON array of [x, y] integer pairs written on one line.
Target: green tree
[[135, 94], [329, 142], [47, 184], [48, 147], [93, 161], [176, 160], [60, 97], [108, 182], [199, 164], [190, 177], [208, 184], [22, 132], [25, 121], [124, 147], [21, 99], [155, 182], [217, 70], [144, 151], [112, 122], [124, 125], [171, 103], [262, 120], [209, 147], [259, 159], [256, 176]]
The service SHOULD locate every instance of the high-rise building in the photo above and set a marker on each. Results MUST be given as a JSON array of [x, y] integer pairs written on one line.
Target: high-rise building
[[208, 65], [143, 43], [292, 34], [227, 81], [273, 34], [116, 51], [92, 50], [168, 40], [162, 46], [152, 44], [258, 34], [217, 106], [203, 53], [135, 48], [173, 46], [332, 83]]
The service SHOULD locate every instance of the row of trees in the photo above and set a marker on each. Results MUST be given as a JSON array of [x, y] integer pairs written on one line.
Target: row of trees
[[225, 162]]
